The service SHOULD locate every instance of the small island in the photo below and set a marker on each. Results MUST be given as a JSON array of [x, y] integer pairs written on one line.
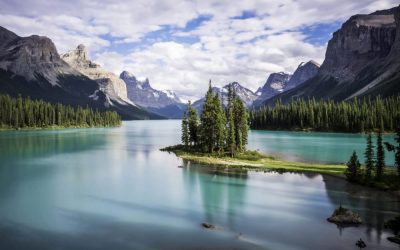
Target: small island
[[220, 137]]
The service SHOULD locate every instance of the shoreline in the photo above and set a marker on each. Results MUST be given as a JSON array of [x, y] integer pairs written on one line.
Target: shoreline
[[255, 161], [3, 129], [258, 162]]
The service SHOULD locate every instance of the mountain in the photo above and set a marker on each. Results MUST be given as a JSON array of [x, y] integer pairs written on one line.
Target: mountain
[[110, 84], [303, 72], [362, 59], [275, 84], [31, 66], [246, 95], [165, 103]]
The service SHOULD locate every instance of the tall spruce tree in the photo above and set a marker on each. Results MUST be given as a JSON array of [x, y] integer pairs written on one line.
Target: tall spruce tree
[[380, 156], [230, 140], [353, 168], [369, 158], [193, 124], [240, 122], [185, 130], [207, 128], [220, 123]]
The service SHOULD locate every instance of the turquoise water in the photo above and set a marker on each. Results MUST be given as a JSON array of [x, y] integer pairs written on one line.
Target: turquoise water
[[314, 147], [113, 189]]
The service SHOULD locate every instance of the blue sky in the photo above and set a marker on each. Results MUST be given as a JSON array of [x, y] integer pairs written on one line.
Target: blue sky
[[179, 45]]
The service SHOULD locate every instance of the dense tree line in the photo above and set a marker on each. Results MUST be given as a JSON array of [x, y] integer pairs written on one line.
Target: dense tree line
[[26, 113], [347, 116], [219, 130]]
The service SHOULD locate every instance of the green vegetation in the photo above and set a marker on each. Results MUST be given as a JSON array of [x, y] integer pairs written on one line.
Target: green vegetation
[[353, 168], [375, 173], [347, 116], [26, 113], [220, 130]]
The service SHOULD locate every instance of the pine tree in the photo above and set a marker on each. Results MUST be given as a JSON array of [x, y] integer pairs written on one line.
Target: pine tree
[[353, 168], [193, 124], [220, 123], [240, 123], [369, 158], [230, 140], [380, 157], [207, 128], [185, 130]]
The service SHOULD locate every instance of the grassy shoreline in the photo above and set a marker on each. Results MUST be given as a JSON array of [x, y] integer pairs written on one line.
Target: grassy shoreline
[[253, 160]]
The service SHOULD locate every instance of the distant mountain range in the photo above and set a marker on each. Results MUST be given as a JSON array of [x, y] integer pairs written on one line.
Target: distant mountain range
[[165, 103], [362, 59]]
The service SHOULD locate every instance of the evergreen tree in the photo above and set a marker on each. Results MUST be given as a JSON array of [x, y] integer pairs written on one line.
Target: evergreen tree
[[193, 124], [24, 112], [207, 128], [369, 158], [326, 115], [353, 168], [220, 123], [185, 130], [230, 140], [240, 123], [380, 157]]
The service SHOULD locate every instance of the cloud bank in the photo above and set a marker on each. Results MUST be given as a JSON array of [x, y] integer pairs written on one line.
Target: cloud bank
[[180, 45]]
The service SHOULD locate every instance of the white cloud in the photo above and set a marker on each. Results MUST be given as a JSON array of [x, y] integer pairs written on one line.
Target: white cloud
[[228, 49]]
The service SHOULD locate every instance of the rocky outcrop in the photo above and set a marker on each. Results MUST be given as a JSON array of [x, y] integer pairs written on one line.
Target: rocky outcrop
[[363, 39], [345, 216], [362, 59], [303, 72], [110, 84], [32, 57]]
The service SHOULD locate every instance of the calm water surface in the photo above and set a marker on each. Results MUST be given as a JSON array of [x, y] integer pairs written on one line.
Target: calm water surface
[[113, 189]]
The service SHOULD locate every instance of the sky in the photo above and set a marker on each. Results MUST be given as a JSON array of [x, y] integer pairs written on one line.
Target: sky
[[180, 45]]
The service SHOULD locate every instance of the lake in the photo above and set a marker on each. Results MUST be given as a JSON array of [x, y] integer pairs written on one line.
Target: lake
[[111, 188]]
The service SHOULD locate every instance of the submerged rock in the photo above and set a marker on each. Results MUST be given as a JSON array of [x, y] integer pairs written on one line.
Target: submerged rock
[[207, 225], [345, 216]]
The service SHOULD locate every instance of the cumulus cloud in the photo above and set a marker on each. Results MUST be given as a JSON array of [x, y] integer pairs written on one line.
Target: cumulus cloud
[[243, 41]]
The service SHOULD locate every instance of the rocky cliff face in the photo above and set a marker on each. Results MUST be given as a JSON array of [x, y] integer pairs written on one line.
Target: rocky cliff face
[[362, 59], [275, 84], [144, 95], [32, 57], [110, 84], [361, 40], [303, 72]]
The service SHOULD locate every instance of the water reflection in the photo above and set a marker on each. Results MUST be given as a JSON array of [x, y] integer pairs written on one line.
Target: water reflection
[[223, 191]]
